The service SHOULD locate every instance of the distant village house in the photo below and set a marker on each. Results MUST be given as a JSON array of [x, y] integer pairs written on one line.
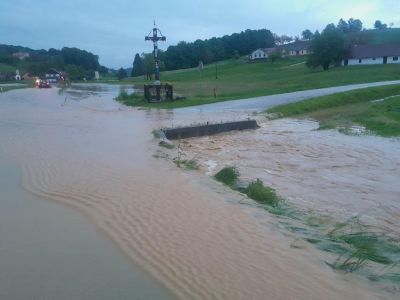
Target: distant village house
[[262, 53], [21, 55], [373, 55], [54, 76], [297, 48]]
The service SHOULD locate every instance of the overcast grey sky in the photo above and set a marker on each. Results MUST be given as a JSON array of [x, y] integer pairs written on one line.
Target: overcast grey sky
[[115, 29]]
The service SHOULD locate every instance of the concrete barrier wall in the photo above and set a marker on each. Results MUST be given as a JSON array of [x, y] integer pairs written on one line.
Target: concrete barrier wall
[[208, 129]]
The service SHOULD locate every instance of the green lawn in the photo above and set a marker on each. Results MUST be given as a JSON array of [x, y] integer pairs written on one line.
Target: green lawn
[[6, 68], [238, 79], [344, 110]]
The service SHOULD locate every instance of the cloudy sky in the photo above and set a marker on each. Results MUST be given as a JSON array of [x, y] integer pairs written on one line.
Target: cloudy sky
[[115, 29]]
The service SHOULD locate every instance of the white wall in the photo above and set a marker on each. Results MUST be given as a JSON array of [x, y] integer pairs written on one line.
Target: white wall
[[391, 61], [258, 54], [301, 52], [371, 61], [366, 61]]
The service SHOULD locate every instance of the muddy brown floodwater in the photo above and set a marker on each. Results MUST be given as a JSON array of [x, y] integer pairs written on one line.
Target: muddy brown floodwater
[[183, 228], [320, 170]]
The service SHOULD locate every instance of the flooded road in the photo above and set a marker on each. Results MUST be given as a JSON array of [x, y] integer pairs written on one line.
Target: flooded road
[[49, 251], [78, 147]]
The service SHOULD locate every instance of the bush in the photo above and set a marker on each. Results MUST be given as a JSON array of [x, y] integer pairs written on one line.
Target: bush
[[228, 176], [262, 194]]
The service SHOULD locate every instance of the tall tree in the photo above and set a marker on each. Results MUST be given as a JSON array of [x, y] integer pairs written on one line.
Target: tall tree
[[187, 55], [330, 27], [121, 74], [307, 34], [148, 64], [327, 48], [379, 25], [354, 25], [137, 66], [343, 26]]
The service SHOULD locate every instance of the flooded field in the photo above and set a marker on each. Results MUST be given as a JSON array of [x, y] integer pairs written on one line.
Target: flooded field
[[80, 148]]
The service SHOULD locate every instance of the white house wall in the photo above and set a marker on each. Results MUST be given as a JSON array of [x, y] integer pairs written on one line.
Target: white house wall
[[392, 61], [371, 61], [301, 52], [366, 61], [258, 54]]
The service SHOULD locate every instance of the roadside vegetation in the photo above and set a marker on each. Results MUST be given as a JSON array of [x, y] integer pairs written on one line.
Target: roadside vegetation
[[377, 109], [134, 99], [4, 89], [355, 247]]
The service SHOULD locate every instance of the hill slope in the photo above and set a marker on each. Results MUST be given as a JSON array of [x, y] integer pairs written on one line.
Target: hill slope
[[238, 79]]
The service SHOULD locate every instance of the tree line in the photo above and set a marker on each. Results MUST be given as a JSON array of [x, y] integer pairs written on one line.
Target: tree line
[[332, 45], [77, 63], [188, 55], [329, 47]]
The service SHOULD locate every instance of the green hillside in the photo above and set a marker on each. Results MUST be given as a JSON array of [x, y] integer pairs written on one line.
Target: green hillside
[[240, 79]]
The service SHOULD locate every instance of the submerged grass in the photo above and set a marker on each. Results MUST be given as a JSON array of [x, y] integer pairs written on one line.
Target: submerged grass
[[166, 145], [188, 164], [262, 194], [134, 99], [228, 176], [358, 247]]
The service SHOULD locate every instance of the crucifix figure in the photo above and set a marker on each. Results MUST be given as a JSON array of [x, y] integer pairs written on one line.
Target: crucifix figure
[[155, 35]]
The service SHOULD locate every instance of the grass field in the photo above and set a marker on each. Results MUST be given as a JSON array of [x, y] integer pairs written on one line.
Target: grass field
[[6, 68], [377, 109], [238, 79]]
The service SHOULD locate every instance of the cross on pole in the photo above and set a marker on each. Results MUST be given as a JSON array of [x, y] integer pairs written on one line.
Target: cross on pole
[[155, 36]]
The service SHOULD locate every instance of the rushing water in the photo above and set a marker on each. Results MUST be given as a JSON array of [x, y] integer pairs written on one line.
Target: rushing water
[[324, 171], [80, 148]]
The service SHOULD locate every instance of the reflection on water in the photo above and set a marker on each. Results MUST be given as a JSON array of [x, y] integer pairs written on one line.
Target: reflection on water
[[96, 155], [101, 91]]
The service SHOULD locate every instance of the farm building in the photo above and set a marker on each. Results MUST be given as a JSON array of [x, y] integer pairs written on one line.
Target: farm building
[[53, 75], [373, 55], [21, 55], [297, 48], [262, 53]]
